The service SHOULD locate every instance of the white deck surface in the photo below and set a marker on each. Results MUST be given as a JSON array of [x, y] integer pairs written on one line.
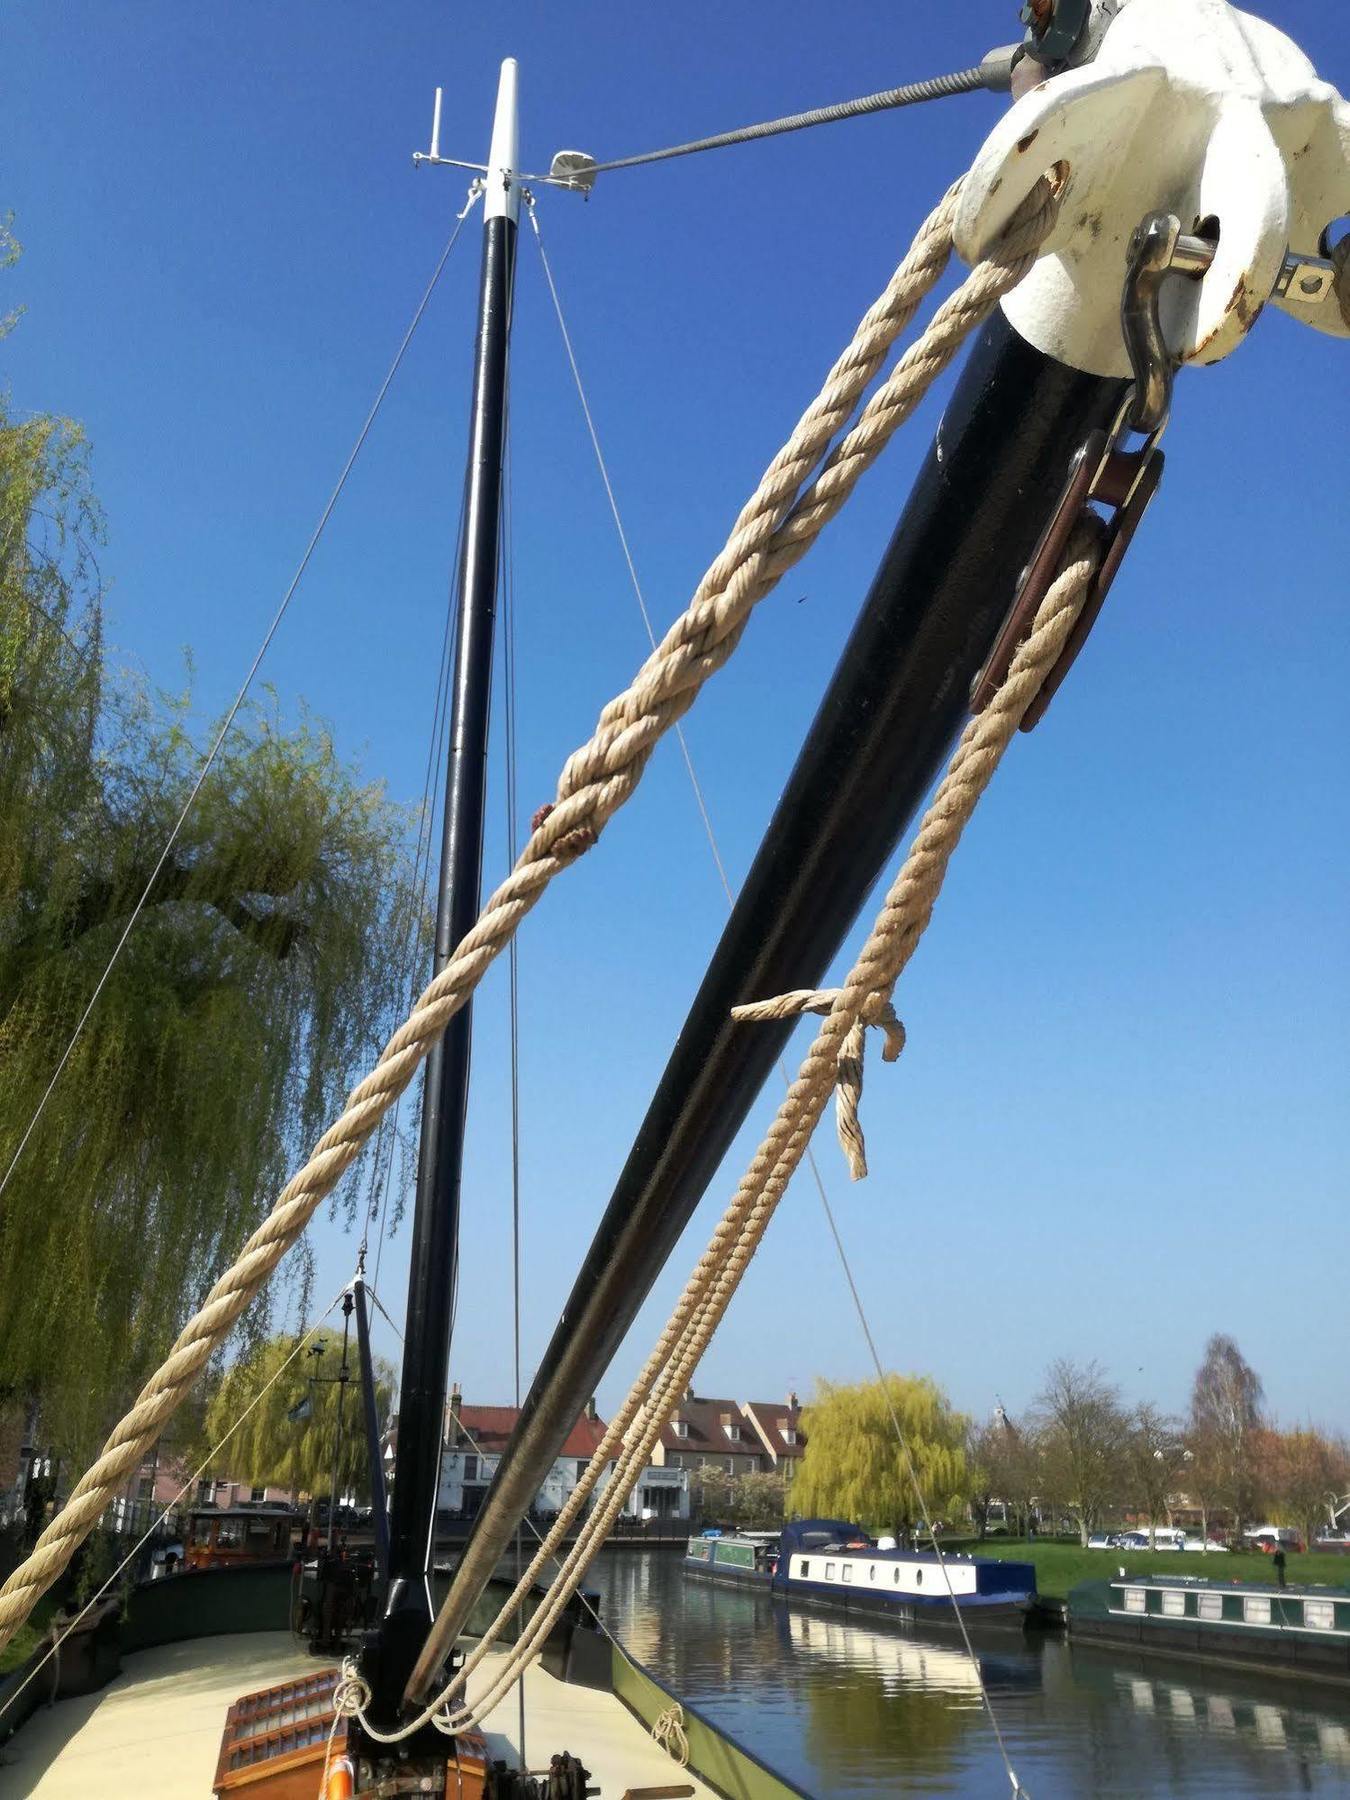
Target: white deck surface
[[154, 1733]]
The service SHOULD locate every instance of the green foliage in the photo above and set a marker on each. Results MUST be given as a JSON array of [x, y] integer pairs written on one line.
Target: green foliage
[[269, 1449], [271, 960], [755, 1502], [853, 1468]]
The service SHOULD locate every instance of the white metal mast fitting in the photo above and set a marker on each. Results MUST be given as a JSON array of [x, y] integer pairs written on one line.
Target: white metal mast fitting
[[1188, 107]]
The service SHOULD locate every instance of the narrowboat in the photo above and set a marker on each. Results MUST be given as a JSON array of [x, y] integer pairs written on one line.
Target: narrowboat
[[832, 1564], [227, 1537], [1304, 1627]]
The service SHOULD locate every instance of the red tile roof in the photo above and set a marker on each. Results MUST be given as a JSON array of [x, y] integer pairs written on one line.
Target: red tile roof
[[707, 1434], [487, 1429], [770, 1418]]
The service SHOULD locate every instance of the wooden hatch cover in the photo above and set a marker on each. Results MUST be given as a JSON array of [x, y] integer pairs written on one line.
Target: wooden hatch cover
[[275, 1742]]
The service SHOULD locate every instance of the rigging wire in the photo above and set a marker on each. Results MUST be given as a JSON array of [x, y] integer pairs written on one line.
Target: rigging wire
[[810, 1157], [196, 1474], [992, 73], [228, 722], [420, 884]]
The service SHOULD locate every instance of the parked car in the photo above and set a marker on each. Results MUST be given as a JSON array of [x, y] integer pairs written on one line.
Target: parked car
[[1102, 1540], [1208, 1545]]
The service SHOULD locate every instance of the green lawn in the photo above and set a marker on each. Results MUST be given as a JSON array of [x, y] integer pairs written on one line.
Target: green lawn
[[1060, 1565]]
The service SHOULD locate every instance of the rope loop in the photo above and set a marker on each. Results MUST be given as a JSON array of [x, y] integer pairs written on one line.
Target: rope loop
[[877, 1012], [668, 1731]]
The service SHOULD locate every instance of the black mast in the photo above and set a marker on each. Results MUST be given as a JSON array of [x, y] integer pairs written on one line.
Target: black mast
[[434, 1250], [897, 700]]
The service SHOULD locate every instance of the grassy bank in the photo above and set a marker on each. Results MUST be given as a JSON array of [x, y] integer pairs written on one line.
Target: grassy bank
[[1060, 1565]]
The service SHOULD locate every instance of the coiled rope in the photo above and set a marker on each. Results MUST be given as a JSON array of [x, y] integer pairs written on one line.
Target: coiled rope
[[775, 529]]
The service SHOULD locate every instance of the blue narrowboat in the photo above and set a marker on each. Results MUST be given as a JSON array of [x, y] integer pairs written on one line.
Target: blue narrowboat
[[830, 1563]]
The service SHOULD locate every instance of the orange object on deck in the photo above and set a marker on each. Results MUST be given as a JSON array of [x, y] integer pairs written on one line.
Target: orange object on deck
[[275, 1742]]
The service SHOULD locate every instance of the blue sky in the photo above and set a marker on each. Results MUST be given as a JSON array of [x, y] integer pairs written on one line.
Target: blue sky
[[1121, 1122]]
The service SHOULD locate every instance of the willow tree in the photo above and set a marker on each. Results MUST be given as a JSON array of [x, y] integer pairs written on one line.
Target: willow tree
[[273, 953], [853, 1466], [290, 1437]]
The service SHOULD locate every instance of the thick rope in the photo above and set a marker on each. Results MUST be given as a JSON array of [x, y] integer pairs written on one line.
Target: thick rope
[[770, 536], [658, 1390], [848, 1092]]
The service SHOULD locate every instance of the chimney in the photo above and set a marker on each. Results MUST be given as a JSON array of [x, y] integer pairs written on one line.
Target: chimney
[[793, 1401], [592, 1410]]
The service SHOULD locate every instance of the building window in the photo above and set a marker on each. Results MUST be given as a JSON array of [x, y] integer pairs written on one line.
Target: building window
[[1320, 1615], [680, 1427], [582, 1466], [1209, 1606], [146, 1490], [789, 1435], [1174, 1603], [257, 1493], [470, 1468], [731, 1465], [1256, 1609], [1135, 1600], [734, 1433]]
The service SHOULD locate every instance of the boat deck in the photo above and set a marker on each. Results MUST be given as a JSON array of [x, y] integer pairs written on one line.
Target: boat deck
[[154, 1732]]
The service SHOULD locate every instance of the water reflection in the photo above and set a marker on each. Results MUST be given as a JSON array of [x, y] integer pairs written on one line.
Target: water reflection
[[857, 1710]]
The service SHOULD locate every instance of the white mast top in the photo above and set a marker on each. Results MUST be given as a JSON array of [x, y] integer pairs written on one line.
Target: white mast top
[[502, 197]]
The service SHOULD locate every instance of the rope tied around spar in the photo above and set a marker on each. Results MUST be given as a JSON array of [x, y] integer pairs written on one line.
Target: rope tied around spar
[[878, 1013]]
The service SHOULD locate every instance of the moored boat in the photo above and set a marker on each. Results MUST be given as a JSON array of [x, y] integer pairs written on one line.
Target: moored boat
[[1305, 1627], [830, 1563]]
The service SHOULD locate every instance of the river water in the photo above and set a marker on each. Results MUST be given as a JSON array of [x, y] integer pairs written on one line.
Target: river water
[[852, 1710]]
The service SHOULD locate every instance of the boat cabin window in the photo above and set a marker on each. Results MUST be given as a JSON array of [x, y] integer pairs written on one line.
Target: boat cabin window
[[1210, 1606], [918, 1577], [805, 1569], [872, 1573], [1256, 1609], [201, 1530], [1319, 1614], [1135, 1601], [229, 1534], [829, 1571], [897, 1574], [1174, 1603], [848, 1571]]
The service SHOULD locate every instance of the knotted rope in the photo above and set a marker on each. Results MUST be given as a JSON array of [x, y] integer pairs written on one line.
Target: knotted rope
[[848, 1090], [775, 529], [668, 1731], [894, 936]]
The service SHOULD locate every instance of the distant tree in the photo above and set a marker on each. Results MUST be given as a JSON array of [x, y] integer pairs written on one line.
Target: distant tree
[[754, 1502], [1156, 1462], [1003, 1460], [1226, 1420], [1305, 1469], [853, 1467], [1082, 1431], [272, 957], [272, 1449]]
